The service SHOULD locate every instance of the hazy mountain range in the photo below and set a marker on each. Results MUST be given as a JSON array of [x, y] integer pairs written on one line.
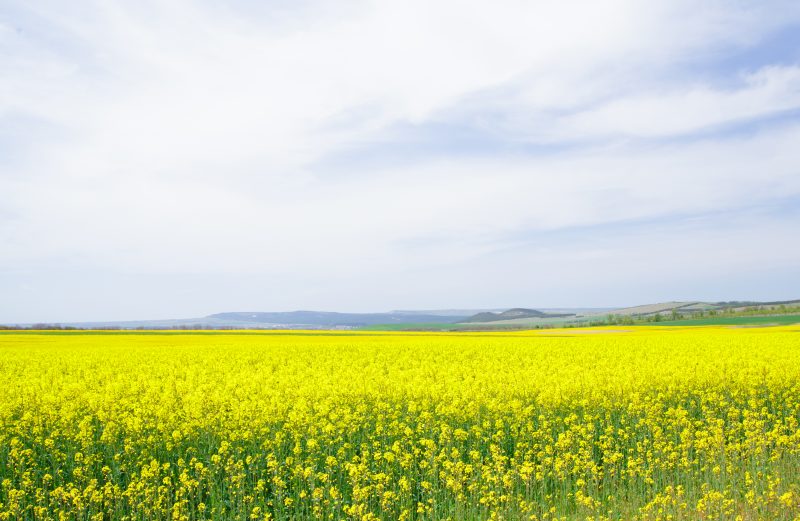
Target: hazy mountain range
[[311, 319], [521, 317]]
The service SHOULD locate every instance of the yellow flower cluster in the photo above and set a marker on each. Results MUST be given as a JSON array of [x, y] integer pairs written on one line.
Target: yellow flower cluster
[[647, 423]]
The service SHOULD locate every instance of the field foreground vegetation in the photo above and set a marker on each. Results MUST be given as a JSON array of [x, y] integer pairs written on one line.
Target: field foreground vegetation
[[648, 423]]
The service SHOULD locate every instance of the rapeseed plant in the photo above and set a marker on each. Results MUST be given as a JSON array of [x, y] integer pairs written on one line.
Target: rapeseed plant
[[649, 424]]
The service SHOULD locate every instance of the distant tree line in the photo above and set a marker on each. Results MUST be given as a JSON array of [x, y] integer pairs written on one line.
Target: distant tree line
[[677, 314], [59, 327]]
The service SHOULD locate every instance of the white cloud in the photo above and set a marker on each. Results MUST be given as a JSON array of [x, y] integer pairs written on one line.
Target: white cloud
[[167, 87], [767, 91], [468, 205], [181, 137]]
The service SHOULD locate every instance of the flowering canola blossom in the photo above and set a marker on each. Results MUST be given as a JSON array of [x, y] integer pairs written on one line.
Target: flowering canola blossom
[[647, 423]]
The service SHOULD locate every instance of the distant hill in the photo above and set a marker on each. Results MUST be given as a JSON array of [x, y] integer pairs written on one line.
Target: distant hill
[[519, 317], [271, 320], [661, 307], [461, 313], [332, 319], [441, 319], [513, 314], [689, 307]]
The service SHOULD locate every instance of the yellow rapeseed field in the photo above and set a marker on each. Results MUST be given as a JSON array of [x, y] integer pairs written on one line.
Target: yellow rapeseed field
[[647, 423]]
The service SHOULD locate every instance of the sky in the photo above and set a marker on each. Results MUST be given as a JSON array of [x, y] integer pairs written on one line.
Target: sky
[[176, 159]]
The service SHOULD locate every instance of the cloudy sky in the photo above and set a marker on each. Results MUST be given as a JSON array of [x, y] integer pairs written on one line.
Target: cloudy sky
[[174, 159]]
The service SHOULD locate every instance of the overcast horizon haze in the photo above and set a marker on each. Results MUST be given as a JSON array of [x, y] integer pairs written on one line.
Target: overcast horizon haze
[[167, 160]]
